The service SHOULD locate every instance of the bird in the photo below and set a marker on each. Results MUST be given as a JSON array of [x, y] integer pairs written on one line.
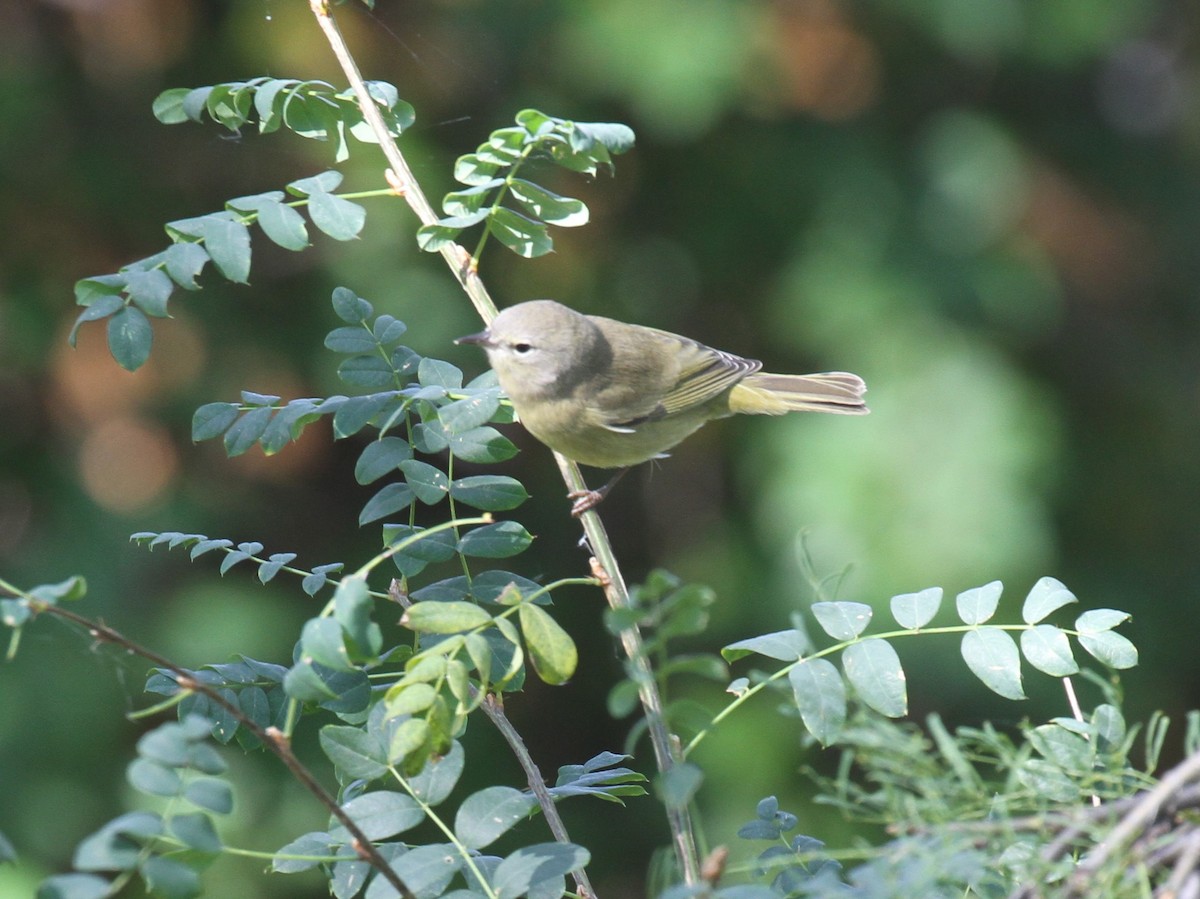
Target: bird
[[612, 395]]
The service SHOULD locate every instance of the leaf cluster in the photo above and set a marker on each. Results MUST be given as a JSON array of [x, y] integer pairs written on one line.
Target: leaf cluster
[[312, 109], [493, 174], [871, 669], [167, 850], [141, 290]]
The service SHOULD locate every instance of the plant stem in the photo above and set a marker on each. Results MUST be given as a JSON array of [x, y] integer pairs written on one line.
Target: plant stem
[[493, 707], [401, 178], [665, 755], [399, 175]]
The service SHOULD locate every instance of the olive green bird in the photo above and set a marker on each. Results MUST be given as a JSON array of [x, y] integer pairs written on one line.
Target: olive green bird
[[612, 395]]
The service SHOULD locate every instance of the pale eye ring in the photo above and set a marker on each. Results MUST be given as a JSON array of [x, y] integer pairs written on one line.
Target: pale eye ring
[[522, 348]]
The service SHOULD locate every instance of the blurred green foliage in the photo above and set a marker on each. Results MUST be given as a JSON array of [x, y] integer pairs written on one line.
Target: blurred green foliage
[[987, 209]]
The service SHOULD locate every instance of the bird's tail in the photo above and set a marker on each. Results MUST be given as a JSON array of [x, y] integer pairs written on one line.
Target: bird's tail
[[764, 393]]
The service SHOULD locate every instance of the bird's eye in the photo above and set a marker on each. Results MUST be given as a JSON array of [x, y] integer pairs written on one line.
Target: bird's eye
[[522, 348]]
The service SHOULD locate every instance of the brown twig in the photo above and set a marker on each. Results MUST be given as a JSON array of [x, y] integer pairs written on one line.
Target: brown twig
[[493, 707], [271, 737]]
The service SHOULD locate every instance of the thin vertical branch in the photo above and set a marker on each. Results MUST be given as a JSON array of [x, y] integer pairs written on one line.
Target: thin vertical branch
[[401, 178]]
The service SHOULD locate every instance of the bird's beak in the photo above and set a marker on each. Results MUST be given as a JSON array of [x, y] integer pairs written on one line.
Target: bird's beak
[[483, 339]]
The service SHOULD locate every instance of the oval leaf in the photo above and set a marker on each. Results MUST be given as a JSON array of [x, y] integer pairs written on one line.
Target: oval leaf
[[874, 670], [821, 698], [550, 647], [1047, 595], [1047, 649], [992, 656], [487, 815], [1111, 649], [915, 610], [977, 605], [842, 620], [445, 617]]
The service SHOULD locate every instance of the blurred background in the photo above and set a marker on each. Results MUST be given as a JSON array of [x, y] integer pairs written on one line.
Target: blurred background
[[987, 208]]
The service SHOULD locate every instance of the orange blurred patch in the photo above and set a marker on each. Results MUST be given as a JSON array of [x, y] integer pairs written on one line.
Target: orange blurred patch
[[119, 38], [822, 65], [126, 464], [89, 387], [1099, 249]]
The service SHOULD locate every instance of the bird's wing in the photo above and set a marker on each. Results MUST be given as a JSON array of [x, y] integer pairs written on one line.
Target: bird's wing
[[701, 374]]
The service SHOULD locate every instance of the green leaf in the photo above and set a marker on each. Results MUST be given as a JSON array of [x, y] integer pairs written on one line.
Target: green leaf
[[212, 420], [482, 445], [471, 412], [389, 500], [531, 865], [184, 262], [1047, 596], [547, 205], [169, 878], [992, 656], [470, 169], [212, 793], [489, 492], [1047, 649], [1110, 649], [350, 307], [352, 610], [915, 610], [149, 290], [551, 649], [154, 779], [1065, 749], [786, 646], [196, 831], [410, 737], [130, 338], [519, 233], [354, 752], [437, 779], [72, 588], [283, 225], [321, 640], [495, 541], [314, 843], [874, 670], [436, 373], [444, 617], [73, 886], [244, 433], [429, 484], [381, 457], [977, 605], [615, 137], [337, 217], [820, 695], [168, 106], [351, 340], [381, 814], [1109, 727], [1047, 781], [486, 815], [228, 243], [99, 307], [1095, 621], [842, 620], [426, 870], [354, 414], [430, 547]]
